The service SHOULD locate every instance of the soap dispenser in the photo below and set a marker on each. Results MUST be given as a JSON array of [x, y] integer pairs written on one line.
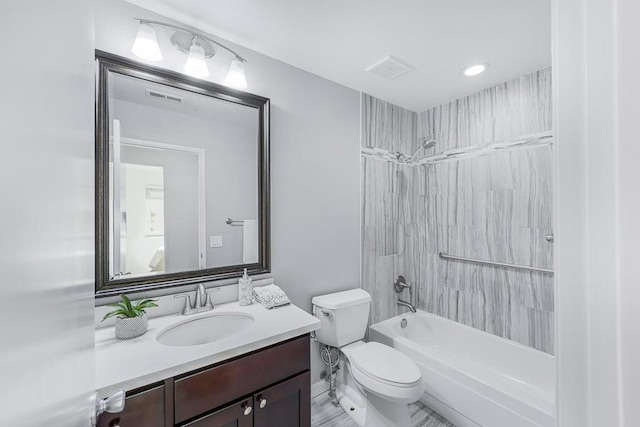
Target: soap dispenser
[[245, 289]]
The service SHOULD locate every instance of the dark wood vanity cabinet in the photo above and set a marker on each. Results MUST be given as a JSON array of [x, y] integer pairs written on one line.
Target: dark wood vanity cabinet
[[267, 388], [239, 414], [142, 409], [283, 405]]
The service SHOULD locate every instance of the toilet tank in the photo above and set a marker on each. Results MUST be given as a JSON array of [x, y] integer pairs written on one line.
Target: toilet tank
[[343, 316]]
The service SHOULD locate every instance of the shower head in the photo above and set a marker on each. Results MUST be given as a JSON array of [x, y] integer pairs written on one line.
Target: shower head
[[426, 143]]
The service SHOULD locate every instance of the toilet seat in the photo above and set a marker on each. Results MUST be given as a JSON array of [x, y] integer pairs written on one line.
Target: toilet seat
[[384, 371], [385, 364]]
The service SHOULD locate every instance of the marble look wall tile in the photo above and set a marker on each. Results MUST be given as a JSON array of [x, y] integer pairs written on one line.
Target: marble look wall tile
[[390, 193], [388, 126], [518, 107], [495, 207]]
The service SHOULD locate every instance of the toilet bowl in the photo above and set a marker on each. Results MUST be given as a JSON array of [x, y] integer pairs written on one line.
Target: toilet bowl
[[384, 371], [377, 382]]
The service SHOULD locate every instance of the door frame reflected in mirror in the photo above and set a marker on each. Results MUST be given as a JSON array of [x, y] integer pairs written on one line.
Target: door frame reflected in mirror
[[107, 286]]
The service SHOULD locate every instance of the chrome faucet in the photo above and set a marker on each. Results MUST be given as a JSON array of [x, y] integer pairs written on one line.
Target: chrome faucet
[[203, 301], [406, 304], [201, 296]]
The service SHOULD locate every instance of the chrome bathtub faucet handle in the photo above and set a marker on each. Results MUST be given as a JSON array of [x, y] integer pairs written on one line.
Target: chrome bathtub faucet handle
[[401, 284]]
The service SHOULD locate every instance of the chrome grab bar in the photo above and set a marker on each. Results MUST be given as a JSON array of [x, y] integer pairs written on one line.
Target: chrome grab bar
[[495, 263]]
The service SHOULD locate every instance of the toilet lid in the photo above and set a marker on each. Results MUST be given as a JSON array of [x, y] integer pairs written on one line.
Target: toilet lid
[[385, 363]]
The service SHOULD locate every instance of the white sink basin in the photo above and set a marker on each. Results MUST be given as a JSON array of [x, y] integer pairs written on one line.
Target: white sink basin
[[204, 329]]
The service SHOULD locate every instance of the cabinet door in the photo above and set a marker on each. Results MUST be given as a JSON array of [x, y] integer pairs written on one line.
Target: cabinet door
[[287, 404], [145, 409], [239, 414], [200, 392]]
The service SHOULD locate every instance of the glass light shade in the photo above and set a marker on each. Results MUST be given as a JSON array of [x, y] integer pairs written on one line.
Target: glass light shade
[[196, 64], [236, 77], [474, 70], [145, 45]]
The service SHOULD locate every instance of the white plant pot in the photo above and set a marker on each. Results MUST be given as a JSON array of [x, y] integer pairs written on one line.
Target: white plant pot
[[131, 327]]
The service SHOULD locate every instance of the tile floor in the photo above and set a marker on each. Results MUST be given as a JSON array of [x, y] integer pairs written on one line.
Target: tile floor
[[324, 414]]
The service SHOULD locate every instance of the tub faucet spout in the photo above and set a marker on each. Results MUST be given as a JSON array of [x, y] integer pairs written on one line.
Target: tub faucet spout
[[406, 304]]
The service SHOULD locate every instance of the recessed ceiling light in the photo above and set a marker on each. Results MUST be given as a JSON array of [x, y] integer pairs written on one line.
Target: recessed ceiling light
[[474, 70]]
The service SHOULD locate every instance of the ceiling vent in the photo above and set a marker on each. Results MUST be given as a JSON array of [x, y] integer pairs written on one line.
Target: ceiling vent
[[389, 68], [164, 96]]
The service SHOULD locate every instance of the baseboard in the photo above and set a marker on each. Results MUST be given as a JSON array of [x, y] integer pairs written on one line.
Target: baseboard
[[318, 388]]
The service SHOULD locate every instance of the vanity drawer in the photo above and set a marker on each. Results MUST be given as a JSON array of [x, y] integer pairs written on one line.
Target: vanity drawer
[[232, 415], [209, 389], [141, 409]]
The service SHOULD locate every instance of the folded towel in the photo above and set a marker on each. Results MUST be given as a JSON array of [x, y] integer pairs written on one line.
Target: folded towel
[[270, 296]]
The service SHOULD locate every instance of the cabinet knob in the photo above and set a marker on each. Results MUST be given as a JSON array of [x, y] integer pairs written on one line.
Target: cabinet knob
[[247, 408], [263, 402]]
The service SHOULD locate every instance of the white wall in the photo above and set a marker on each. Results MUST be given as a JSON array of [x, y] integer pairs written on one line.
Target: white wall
[[595, 73], [46, 220], [628, 63], [315, 166]]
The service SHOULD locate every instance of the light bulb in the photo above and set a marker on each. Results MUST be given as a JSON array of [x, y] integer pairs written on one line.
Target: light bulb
[[145, 45], [196, 64], [236, 77], [474, 70]]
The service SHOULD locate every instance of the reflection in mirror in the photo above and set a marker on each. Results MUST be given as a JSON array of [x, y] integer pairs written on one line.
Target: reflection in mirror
[[141, 245], [181, 163], [154, 178]]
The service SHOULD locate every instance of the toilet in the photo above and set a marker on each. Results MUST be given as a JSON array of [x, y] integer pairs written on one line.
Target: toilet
[[376, 382]]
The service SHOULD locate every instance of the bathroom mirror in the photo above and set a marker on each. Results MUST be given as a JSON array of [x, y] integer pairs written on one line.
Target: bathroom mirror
[[182, 179]]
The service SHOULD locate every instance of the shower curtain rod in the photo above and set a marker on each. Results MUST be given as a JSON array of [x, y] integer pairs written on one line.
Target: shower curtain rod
[[499, 264]]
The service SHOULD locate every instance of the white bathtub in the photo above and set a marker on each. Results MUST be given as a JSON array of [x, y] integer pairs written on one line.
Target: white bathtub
[[474, 378]]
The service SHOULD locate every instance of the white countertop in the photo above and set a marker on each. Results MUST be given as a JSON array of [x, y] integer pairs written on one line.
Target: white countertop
[[125, 365]]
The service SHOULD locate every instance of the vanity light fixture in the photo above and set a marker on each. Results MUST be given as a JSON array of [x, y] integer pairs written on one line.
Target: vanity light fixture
[[145, 45], [197, 46], [236, 77], [196, 64], [474, 70]]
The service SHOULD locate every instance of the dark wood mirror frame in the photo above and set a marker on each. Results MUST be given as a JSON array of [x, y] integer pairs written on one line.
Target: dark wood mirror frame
[[109, 63]]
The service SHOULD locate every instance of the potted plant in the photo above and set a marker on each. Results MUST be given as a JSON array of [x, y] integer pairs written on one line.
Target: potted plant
[[131, 320]]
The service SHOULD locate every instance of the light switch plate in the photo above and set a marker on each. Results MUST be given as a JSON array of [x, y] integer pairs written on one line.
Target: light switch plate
[[215, 241]]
